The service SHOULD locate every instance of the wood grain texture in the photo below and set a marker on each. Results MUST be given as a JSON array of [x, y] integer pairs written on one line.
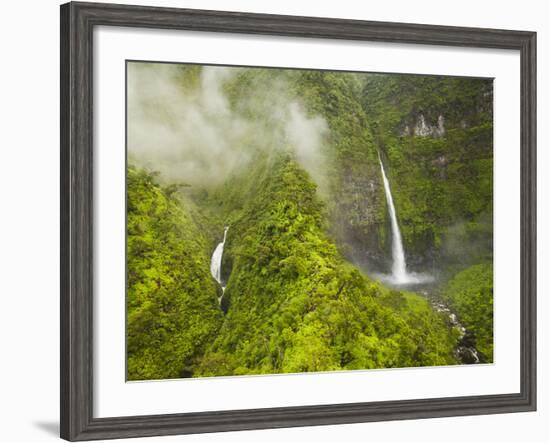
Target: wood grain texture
[[76, 307]]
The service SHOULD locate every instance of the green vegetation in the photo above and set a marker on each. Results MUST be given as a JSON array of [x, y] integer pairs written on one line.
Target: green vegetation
[[302, 195], [350, 181], [294, 305], [172, 303], [470, 294]]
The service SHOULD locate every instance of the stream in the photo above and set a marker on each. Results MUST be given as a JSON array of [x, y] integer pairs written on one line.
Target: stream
[[465, 350]]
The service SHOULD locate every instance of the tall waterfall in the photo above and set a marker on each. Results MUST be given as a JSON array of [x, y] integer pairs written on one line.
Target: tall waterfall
[[399, 275], [399, 265], [216, 261]]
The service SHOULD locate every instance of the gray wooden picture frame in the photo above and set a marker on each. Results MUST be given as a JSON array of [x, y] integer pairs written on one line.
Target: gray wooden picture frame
[[77, 24]]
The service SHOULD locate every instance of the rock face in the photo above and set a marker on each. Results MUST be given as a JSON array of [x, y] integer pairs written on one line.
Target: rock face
[[422, 128], [361, 220]]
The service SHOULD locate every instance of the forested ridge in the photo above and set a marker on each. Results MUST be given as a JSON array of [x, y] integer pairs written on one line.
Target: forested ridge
[[172, 307], [308, 227]]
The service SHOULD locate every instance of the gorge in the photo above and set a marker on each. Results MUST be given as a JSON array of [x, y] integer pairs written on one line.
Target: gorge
[[353, 243]]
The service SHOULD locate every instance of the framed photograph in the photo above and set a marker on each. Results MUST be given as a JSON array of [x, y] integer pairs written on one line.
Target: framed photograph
[[273, 221]]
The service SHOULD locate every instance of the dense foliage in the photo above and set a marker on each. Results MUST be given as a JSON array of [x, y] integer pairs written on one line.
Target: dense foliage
[[172, 305], [350, 182], [294, 305], [470, 294], [304, 239]]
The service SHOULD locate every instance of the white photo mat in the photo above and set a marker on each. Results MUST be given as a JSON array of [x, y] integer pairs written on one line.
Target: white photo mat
[[113, 396]]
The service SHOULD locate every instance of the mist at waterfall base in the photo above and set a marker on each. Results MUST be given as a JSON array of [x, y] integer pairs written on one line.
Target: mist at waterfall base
[[399, 276]]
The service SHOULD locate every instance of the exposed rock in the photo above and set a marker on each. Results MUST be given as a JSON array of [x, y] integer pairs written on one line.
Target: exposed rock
[[358, 220], [467, 355], [423, 129]]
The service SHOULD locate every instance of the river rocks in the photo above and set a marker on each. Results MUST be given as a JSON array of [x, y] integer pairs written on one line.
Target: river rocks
[[465, 351]]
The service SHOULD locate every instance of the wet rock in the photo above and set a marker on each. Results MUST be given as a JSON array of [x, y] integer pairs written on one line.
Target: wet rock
[[468, 340], [467, 355], [423, 129], [465, 350]]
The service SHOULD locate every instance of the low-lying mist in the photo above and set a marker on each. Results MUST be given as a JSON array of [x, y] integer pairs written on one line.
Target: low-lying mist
[[183, 123]]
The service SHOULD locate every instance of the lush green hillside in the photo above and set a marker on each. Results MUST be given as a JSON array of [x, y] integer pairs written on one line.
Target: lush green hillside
[[293, 304], [289, 160], [173, 313], [470, 294]]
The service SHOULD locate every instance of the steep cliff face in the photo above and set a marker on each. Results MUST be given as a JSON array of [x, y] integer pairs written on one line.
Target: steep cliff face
[[434, 135], [436, 138]]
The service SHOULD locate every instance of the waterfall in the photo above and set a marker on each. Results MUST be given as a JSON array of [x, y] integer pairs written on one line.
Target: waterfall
[[399, 275], [216, 261], [399, 265]]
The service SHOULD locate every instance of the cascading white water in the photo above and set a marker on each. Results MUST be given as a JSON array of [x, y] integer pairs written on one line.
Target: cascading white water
[[216, 261], [399, 275], [399, 265]]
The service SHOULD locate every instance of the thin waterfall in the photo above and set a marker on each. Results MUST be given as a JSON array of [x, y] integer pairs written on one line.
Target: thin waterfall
[[399, 275], [399, 265], [216, 261]]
